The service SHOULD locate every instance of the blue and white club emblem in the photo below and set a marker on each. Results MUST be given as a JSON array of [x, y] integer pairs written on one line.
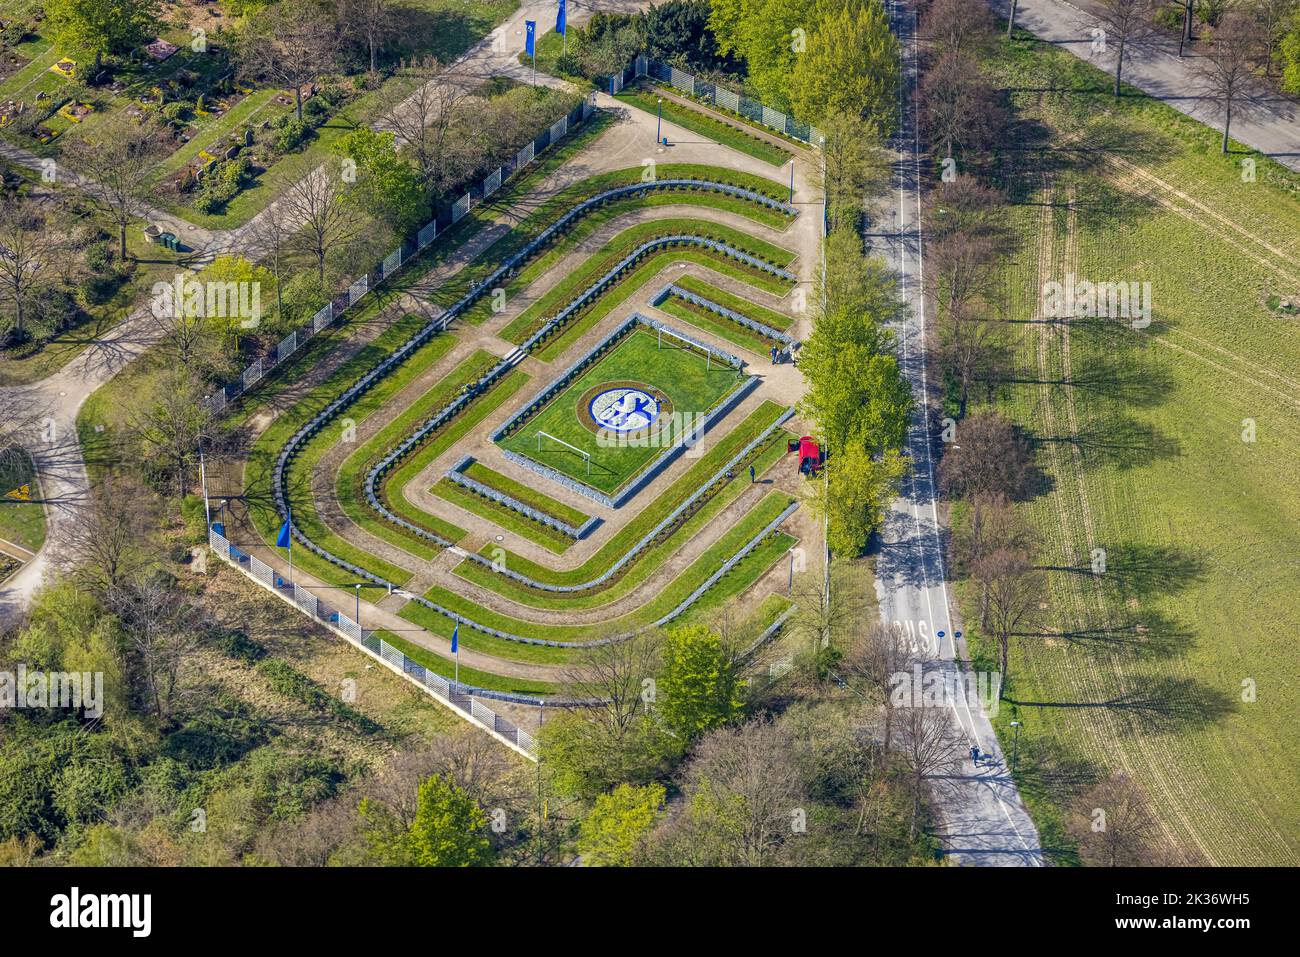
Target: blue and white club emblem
[[624, 410]]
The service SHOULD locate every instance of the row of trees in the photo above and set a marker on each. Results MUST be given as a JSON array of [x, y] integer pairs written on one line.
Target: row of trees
[[815, 60], [1245, 40]]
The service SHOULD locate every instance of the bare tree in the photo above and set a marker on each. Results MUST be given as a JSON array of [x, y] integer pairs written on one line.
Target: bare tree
[[291, 42], [615, 674], [991, 523], [1230, 64], [319, 205], [33, 256], [165, 628], [875, 662], [1115, 826], [1273, 17], [991, 455], [423, 122], [929, 745], [273, 241], [373, 22], [1124, 25], [961, 107], [956, 26], [1014, 588], [965, 268], [120, 160], [965, 205], [111, 538], [971, 348], [170, 424], [743, 791]]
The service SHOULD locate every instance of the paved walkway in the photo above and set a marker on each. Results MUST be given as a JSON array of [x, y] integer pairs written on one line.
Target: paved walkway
[[1270, 124], [57, 454]]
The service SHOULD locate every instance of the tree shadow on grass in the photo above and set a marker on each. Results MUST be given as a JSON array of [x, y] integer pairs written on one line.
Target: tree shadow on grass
[[1119, 440], [1147, 633], [1160, 704]]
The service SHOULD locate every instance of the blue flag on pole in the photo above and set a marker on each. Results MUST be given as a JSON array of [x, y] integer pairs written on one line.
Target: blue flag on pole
[[559, 19], [284, 540], [530, 34], [455, 638]]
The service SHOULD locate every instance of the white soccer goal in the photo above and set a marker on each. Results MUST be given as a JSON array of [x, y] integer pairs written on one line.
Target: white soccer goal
[[694, 346], [586, 455]]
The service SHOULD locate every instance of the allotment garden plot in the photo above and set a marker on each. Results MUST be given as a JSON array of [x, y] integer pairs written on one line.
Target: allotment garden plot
[[542, 434]]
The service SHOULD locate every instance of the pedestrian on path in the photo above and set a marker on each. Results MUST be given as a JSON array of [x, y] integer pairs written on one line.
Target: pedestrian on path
[[975, 755], [751, 475], [775, 352]]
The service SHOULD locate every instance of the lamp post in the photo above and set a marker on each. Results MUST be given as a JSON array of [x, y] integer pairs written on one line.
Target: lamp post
[[358, 618], [1015, 745], [659, 123]]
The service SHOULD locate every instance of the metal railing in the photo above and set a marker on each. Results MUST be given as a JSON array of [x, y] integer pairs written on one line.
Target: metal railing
[[461, 698]]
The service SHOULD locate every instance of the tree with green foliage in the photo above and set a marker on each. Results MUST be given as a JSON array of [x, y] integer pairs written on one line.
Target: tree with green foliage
[[100, 27], [615, 829], [853, 167], [386, 183], [449, 828], [766, 34], [678, 32], [700, 687], [850, 65], [1290, 47], [852, 494]]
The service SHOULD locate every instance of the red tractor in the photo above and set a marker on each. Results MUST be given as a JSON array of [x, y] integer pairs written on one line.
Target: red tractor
[[812, 457]]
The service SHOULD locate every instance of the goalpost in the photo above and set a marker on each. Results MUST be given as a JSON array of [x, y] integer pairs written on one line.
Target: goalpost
[[585, 455], [708, 356]]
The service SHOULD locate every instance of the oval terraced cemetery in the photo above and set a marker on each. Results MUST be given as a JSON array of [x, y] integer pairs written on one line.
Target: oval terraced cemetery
[[545, 440]]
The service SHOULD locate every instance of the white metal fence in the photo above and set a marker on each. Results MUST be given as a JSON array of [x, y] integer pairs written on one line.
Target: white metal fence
[[462, 699]]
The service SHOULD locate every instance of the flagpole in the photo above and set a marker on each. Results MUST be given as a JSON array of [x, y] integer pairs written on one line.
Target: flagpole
[[289, 518], [534, 64]]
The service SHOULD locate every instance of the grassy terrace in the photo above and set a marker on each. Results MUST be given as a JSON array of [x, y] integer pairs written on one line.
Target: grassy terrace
[[644, 97], [507, 518], [440, 442], [524, 493], [750, 310], [351, 475], [545, 307], [720, 326], [701, 470], [298, 479], [739, 579], [564, 200], [650, 560], [675, 372], [552, 256]]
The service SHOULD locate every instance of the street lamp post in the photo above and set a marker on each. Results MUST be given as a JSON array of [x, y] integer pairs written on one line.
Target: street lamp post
[[358, 604], [659, 123], [1015, 745]]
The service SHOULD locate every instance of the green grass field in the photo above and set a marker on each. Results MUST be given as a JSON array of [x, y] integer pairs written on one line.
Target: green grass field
[[1174, 450], [21, 522], [675, 370]]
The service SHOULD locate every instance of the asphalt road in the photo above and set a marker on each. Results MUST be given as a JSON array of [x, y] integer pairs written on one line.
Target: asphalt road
[[983, 820], [1268, 122]]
